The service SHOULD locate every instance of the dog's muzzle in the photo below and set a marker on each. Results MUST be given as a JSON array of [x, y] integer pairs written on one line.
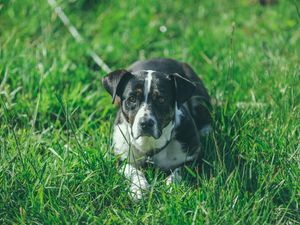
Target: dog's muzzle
[[148, 127]]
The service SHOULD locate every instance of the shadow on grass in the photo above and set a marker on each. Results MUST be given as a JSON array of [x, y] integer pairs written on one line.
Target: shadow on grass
[[231, 159], [221, 156]]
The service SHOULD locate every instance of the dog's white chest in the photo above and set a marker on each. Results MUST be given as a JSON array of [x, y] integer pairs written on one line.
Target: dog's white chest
[[172, 156]]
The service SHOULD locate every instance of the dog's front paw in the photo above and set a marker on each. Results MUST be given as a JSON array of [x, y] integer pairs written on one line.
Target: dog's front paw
[[139, 188], [138, 182], [137, 193], [174, 177]]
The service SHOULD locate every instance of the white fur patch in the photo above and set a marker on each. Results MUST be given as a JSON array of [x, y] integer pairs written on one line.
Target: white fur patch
[[138, 181], [206, 130], [121, 140], [178, 115], [172, 156], [174, 177], [147, 85]]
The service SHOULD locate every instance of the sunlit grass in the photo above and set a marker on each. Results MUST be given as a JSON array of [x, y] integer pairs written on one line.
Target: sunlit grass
[[56, 161]]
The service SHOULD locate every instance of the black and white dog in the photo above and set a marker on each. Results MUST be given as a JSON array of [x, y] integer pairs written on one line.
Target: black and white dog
[[164, 109]]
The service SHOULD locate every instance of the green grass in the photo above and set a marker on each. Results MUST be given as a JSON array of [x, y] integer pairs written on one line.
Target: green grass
[[56, 161]]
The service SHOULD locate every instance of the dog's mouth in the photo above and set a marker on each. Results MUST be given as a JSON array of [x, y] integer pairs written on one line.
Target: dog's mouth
[[151, 144], [156, 135]]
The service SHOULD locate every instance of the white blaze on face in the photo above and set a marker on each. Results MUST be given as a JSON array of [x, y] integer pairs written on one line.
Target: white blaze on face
[[147, 85]]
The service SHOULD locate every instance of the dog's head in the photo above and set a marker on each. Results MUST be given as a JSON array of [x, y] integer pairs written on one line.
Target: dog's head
[[148, 99]]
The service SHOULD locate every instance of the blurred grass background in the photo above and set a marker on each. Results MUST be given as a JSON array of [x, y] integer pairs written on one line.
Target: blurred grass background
[[56, 164]]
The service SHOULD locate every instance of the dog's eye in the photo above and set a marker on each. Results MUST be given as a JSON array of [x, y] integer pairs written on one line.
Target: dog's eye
[[161, 100], [132, 99]]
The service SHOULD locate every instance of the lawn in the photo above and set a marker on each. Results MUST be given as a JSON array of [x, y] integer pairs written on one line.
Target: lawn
[[56, 161]]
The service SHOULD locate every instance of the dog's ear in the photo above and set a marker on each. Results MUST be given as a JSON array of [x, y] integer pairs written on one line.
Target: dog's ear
[[115, 82], [184, 88]]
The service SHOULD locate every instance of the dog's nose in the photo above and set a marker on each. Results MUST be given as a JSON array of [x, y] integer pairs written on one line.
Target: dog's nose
[[147, 123]]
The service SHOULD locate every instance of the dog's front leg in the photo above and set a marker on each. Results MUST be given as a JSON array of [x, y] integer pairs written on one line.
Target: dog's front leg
[[138, 182]]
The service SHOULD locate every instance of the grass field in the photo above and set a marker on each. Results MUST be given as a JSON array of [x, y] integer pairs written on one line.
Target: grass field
[[56, 161]]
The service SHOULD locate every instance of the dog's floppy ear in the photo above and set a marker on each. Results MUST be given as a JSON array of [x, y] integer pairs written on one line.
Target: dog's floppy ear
[[184, 88], [115, 81]]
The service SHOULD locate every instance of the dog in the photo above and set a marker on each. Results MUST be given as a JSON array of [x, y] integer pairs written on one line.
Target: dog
[[164, 109]]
